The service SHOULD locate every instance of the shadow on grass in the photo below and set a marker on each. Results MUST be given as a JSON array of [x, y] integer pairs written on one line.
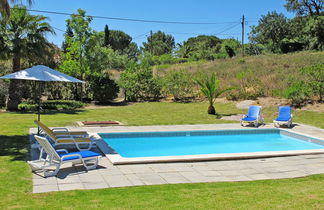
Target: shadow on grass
[[50, 112], [14, 146], [219, 115], [116, 103]]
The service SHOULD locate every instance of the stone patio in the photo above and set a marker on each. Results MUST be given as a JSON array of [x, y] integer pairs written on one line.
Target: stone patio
[[108, 175]]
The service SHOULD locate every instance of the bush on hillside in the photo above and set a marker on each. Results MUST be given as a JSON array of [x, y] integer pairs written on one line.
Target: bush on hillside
[[104, 89], [315, 79], [139, 83], [179, 84], [299, 93]]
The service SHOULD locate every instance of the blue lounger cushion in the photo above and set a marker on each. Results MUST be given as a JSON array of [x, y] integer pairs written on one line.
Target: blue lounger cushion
[[249, 119], [84, 154], [284, 113]]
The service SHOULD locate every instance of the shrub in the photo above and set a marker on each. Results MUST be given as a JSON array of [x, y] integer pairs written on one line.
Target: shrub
[[51, 105], [315, 79], [139, 83], [104, 89], [178, 83], [299, 94]]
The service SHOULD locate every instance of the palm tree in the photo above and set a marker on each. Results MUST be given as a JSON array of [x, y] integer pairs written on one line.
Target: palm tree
[[209, 86], [5, 7], [22, 36]]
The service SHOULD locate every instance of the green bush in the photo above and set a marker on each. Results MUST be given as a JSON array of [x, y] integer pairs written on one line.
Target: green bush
[[139, 83], [299, 93], [104, 89], [315, 79], [51, 105], [179, 84]]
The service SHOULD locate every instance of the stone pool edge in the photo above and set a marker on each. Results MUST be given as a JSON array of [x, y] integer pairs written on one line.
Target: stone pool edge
[[116, 159]]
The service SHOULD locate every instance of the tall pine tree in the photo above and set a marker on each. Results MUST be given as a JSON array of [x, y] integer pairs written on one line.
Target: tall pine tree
[[106, 39]]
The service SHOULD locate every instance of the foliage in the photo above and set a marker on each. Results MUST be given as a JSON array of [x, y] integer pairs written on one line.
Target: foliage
[[314, 33], [200, 47], [150, 59], [5, 6], [76, 45], [159, 43], [305, 7], [23, 36], [106, 37], [210, 87], [179, 84], [315, 79], [230, 47], [87, 56], [52, 105], [249, 86], [139, 83], [299, 94], [104, 89], [270, 31]]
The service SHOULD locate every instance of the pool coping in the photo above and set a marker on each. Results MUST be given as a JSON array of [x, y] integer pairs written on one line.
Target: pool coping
[[117, 159]]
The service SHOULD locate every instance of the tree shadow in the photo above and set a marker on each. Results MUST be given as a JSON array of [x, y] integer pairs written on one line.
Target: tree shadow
[[115, 103], [219, 115], [50, 112], [15, 146]]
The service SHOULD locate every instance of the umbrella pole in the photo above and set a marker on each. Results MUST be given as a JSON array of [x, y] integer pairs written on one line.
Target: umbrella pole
[[39, 105]]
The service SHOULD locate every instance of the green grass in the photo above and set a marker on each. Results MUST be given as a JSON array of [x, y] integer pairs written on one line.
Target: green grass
[[15, 175]]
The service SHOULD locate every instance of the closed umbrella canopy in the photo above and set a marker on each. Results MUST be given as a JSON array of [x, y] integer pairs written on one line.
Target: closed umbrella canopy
[[41, 73]]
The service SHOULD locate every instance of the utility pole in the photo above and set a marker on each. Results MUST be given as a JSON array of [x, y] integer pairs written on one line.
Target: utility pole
[[243, 20]]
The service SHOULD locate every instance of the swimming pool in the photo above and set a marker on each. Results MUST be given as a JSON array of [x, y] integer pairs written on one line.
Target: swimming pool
[[185, 144]]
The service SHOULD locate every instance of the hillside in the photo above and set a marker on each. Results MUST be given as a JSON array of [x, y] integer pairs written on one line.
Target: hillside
[[268, 75]]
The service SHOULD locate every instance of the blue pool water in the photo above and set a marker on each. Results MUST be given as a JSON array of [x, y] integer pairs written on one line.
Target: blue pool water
[[145, 145]]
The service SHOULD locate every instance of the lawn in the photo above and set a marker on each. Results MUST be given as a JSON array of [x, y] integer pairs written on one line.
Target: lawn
[[15, 175]]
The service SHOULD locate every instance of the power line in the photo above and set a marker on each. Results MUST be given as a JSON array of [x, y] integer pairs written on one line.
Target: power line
[[229, 28], [128, 19], [58, 29]]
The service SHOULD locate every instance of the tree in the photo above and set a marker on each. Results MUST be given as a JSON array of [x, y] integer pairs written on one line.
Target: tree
[[270, 31], [305, 7], [209, 86], [22, 36], [159, 43], [107, 37], [73, 60], [200, 47], [68, 33], [5, 7]]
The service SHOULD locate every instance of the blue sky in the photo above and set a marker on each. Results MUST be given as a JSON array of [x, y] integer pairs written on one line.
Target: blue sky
[[227, 13]]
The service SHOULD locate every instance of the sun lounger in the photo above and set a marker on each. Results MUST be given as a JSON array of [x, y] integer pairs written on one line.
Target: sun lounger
[[61, 130], [55, 158], [66, 138], [253, 116], [284, 117]]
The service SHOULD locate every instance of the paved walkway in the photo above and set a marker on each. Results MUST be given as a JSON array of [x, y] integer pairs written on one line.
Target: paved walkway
[[108, 175]]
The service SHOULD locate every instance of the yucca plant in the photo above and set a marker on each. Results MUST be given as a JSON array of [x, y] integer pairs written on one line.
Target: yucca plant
[[209, 86]]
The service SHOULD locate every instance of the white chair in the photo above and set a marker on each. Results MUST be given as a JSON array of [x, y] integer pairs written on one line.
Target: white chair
[[55, 158], [253, 116]]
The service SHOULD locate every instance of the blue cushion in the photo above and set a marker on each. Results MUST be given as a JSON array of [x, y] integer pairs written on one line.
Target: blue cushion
[[249, 119], [254, 111], [284, 113], [84, 154]]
